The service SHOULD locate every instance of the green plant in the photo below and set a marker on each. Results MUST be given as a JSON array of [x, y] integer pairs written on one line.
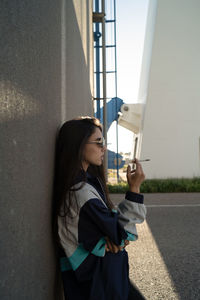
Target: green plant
[[170, 185]]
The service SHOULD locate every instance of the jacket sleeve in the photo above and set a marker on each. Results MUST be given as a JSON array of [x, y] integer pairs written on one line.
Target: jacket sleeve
[[96, 222], [131, 211]]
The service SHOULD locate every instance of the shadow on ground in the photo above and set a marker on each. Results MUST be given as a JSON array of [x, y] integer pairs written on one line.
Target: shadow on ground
[[176, 231]]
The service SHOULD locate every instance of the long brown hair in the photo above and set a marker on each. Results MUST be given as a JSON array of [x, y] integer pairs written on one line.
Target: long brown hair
[[71, 140]]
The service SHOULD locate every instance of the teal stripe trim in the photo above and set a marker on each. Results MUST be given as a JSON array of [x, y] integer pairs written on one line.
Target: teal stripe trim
[[131, 237], [80, 254], [64, 264], [122, 243], [114, 210], [99, 249], [74, 261]]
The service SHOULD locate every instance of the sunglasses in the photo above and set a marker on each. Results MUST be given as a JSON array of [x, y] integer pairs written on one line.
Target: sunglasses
[[100, 143]]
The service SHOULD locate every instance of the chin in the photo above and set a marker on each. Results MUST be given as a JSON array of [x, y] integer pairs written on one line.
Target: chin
[[98, 164]]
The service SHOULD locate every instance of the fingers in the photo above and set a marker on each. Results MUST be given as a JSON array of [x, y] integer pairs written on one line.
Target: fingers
[[106, 248], [128, 171], [126, 243], [138, 170], [135, 177], [138, 165], [110, 246], [133, 171]]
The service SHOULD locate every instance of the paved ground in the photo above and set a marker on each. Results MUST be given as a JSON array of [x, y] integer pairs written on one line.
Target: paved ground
[[165, 261]]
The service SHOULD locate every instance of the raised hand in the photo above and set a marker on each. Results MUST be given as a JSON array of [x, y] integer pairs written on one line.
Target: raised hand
[[135, 177]]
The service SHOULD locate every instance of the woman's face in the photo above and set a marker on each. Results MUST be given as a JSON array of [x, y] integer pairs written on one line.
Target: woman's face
[[93, 152]]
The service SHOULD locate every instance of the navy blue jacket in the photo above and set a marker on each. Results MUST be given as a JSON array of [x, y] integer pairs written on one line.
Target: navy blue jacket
[[88, 271]]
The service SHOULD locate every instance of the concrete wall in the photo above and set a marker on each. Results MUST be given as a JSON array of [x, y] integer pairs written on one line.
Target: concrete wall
[[45, 78], [171, 125]]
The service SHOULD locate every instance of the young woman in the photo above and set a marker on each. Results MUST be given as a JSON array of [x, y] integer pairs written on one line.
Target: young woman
[[91, 232]]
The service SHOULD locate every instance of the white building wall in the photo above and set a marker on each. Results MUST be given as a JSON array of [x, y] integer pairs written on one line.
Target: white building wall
[[172, 116], [146, 61]]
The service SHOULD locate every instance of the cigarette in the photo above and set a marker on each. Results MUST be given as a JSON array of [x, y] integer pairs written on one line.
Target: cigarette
[[139, 160], [142, 160]]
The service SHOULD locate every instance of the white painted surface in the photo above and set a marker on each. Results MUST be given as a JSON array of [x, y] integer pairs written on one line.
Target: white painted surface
[[172, 118]]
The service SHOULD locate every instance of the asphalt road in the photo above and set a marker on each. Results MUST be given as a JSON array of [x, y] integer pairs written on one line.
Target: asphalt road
[[165, 260]]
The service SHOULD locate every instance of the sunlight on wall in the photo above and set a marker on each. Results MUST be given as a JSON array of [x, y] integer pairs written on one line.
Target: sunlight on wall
[[81, 9], [14, 103], [148, 270]]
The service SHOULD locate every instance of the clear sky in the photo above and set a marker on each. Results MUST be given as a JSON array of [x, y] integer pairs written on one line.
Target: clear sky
[[130, 24]]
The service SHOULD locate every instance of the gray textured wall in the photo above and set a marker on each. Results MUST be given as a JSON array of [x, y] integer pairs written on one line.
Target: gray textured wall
[[30, 112], [29, 116]]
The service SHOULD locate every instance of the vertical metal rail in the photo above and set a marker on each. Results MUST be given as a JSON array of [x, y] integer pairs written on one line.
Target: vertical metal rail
[[115, 42], [101, 85], [97, 52], [104, 83]]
